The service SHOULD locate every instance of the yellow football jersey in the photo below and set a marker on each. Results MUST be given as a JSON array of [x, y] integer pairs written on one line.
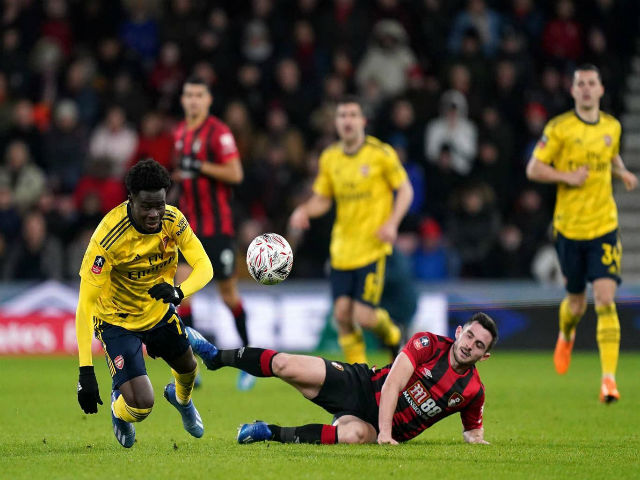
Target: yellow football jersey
[[362, 186], [125, 263], [568, 142]]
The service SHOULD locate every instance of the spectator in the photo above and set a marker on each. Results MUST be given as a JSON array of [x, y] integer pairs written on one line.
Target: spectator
[[455, 131], [66, 147], [485, 21], [9, 215], [35, 255], [432, 260], [99, 185], [139, 32], [24, 129], [388, 59], [155, 141], [562, 36], [26, 180], [114, 140], [473, 228]]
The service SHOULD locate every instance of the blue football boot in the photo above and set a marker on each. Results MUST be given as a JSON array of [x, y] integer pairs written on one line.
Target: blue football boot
[[190, 417], [257, 431], [246, 381], [202, 347], [125, 432]]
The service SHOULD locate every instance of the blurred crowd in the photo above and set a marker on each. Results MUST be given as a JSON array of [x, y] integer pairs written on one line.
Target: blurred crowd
[[460, 88]]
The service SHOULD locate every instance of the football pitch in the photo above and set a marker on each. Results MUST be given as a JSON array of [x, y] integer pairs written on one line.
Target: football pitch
[[540, 425]]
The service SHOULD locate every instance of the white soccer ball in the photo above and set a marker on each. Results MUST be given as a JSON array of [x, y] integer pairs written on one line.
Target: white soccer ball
[[269, 259]]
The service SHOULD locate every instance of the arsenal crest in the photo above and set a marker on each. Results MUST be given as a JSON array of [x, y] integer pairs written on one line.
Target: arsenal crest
[[607, 140]]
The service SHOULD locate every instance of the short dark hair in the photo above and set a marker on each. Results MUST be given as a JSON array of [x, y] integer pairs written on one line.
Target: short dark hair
[[588, 67], [487, 323], [147, 175], [196, 80], [350, 99]]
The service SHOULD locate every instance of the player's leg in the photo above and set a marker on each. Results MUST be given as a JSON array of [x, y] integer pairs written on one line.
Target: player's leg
[[573, 261], [605, 256], [168, 340], [184, 309], [350, 337], [367, 312], [228, 289], [347, 429], [132, 394], [608, 336]]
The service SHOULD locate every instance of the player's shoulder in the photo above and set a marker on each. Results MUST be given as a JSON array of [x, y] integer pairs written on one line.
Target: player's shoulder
[[563, 119], [179, 128], [608, 119], [172, 214], [379, 146], [112, 226], [217, 124]]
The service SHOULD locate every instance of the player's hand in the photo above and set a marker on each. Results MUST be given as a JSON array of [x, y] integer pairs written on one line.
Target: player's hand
[[190, 164], [299, 219], [577, 177], [386, 439], [167, 293], [88, 392], [629, 179], [388, 232]]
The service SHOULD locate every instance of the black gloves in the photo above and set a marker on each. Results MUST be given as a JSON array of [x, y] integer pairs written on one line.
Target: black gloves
[[190, 164], [88, 393], [167, 293]]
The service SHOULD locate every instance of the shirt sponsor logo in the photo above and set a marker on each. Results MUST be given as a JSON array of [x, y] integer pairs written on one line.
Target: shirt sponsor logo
[[418, 393], [337, 366], [118, 362], [455, 400], [421, 342], [98, 263]]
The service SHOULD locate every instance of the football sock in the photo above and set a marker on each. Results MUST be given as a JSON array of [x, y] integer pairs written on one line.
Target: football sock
[[184, 385], [353, 347], [127, 413], [568, 321], [240, 317], [608, 336], [385, 329], [313, 433], [184, 311], [256, 361]]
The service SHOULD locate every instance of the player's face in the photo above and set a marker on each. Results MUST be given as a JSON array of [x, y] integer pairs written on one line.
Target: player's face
[[196, 100], [587, 89], [147, 209], [471, 344], [350, 121]]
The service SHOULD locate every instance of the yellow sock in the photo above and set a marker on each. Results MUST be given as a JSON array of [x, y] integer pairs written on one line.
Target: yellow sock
[[608, 336], [353, 347], [568, 321], [184, 385], [127, 413], [385, 329]]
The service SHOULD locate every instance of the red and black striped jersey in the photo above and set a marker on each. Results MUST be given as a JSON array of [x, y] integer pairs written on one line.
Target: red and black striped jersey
[[205, 201], [434, 390]]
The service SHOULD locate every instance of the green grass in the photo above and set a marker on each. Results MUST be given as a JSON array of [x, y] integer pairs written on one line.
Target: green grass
[[540, 425]]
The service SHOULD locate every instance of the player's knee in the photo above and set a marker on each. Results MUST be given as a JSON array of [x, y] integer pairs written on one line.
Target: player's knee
[[352, 433], [603, 298], [142, 401], [577, 306], [281, 364]]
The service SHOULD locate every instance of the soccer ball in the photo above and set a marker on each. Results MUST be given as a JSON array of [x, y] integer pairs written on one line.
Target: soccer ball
[[269, 259]]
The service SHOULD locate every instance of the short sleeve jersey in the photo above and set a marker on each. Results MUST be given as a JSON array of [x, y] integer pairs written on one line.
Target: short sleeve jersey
[[362, 186], [567, 143], [434, 390]]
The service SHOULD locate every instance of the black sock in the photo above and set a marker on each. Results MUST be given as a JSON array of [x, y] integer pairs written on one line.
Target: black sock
[[312, 433], [256, 361], [240, 318]]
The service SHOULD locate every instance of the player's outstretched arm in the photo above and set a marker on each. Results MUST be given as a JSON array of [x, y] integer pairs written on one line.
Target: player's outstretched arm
[[316, 206], [198, 259], [398, 377], [538, 171], [388, 231], [88, 392], [620, 171], [475, 436]]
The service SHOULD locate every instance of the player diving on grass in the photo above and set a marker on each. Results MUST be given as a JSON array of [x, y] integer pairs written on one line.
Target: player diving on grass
[[432, 377], [127, 299]]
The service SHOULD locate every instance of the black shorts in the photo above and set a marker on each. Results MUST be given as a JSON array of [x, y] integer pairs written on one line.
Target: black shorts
[[584, 261], [123, 348], [348, 390], [221, 250], [364, 284]]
